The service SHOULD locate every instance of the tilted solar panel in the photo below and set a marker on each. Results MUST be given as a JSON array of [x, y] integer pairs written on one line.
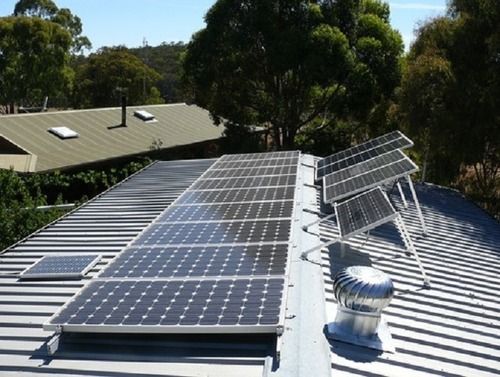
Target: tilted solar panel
[[362, 152], [363, 212], [334, 189]]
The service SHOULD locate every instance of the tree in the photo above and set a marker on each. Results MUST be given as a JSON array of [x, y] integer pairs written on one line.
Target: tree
[[285, 64], [104, 72], [456, 57], [34, 59], [48, 10]]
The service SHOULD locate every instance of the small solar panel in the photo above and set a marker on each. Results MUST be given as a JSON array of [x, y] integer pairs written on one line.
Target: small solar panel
[[235, 211], [363, 212], [237, 195], [191, 233], [335, 190], [246, 182], [199, 261], [60, 266], [147, 306]]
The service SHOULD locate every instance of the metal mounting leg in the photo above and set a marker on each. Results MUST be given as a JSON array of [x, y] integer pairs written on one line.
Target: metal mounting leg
[[321, 245], [411, 248], [417, 204], [402, 194], [305, 227]]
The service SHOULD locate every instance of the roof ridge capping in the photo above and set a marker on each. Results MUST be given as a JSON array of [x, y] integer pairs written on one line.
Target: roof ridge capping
[[94, 109]]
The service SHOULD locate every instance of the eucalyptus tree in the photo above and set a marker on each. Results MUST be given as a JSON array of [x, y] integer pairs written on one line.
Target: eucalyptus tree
[[284, 64]]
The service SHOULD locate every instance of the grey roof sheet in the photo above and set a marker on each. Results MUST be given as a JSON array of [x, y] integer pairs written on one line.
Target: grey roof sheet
[[451, 330], [178, 124]]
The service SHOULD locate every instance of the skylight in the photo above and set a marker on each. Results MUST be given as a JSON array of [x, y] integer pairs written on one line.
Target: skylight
[[64, 132], [144, 115]]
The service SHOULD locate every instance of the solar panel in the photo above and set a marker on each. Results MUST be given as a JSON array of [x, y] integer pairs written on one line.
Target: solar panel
[[169, 306], [363, 212], [251, 172], [214, 261], [237, 195], [199, 261], [235, 211], [336, 190], [362, 152], [247, 182], [60, 266], [192, 233], [255, 163], [259, 156]]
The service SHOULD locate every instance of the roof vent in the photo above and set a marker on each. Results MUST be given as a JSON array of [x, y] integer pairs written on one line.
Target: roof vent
[[362, 293], [63, 132], [145, 116]]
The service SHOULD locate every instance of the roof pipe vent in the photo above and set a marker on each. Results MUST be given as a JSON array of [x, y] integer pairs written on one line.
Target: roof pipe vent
[[362, 293], [124, 110]]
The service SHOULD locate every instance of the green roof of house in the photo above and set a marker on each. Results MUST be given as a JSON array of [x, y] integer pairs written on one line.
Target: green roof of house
[[176, 125]]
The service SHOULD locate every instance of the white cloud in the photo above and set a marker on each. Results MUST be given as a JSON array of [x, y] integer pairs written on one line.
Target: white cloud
[[416, 6]]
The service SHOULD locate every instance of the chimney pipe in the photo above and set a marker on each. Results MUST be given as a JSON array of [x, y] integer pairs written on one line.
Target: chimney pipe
[[124, 110]]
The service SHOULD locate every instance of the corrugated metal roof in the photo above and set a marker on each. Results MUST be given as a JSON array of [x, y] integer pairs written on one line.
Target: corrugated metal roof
[[452, 329], [178, 124]]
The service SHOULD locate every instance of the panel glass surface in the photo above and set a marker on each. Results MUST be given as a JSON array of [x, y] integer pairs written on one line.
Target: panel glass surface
[[361, 157], [251, 172], [397, 136], [61, 266], [260, 163], [248, 182], [215, 233], [200, 261], [258, 156], [166, 304], [335, 191], [235, 211], [362, 211], [237, 195]]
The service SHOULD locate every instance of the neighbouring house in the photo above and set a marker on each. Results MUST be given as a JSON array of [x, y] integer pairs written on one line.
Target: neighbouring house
[[63, 140]]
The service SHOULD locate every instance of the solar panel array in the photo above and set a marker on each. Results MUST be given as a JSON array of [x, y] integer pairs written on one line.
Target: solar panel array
[[366, 175], [362, 152], [214, 261], [363, 212], [60, 266]]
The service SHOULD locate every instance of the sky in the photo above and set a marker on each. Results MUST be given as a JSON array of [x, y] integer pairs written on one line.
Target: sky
[[131, 22]]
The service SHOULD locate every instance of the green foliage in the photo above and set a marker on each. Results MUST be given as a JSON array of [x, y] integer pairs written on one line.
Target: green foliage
[[450, 97], [98, 79], [166, 60], [20, 195], [48, 10], [34, 59], [286, 64]]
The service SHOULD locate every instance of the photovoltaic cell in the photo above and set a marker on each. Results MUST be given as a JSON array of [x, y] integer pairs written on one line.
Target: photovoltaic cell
[[215, 233], [334, 191], [363, 212], [237, 195], [236, 211], [61, 266], [199, 261], [248, 182], [260, 163], [168, 306], [396, 136]]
